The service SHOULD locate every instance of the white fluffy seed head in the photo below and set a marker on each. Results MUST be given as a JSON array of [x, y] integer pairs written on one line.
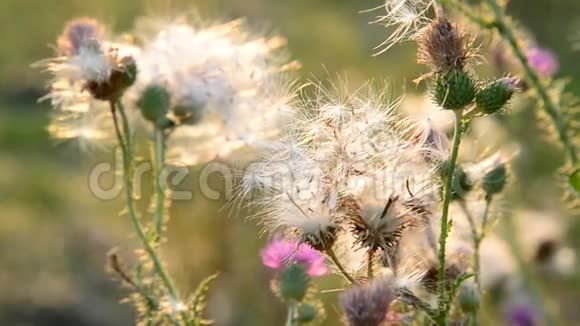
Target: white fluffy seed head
[[233, 81], [85, 57], [341, 150]]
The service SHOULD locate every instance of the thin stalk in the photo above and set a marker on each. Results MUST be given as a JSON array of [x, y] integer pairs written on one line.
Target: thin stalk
[[291, 311], [441, 289], [124, 139], [477, 243], [341, 268], [473, 318], [370, 259], [477, 236], [159, 164], [507, 33]]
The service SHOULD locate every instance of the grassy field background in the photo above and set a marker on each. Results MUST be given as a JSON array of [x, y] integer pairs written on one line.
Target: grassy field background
[[54, 234]]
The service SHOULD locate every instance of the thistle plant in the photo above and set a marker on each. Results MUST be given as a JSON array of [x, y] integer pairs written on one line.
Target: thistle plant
[[344, 182]]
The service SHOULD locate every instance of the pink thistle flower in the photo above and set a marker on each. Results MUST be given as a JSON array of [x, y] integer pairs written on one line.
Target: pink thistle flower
[[544, 61], [280, 253]]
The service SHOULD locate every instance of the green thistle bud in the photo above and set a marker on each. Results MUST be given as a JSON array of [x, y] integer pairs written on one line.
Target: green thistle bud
[[294, 282], [454, 91], [494, 181], [496, 95], [469, 297], [154, 104], [306, 313], [461, 183]]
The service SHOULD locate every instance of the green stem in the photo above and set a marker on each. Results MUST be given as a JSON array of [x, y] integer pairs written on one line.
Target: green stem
[[291, 311], [473, 318], [158, 165], [124, 139], [370, 259], [502, 26], [441, 289], [341, 268]]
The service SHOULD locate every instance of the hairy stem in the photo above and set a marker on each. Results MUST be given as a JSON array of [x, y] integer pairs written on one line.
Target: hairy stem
[[124, 139], [291, 311], [158, 165], [505, 30], [341, 268], [441, 289]]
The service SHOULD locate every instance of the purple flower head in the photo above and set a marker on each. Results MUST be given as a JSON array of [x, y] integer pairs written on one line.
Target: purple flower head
[[281, 252], [544, 61], [522, 314]]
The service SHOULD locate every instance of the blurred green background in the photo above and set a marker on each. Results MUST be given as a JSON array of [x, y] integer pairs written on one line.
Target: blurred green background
[[54, 235]]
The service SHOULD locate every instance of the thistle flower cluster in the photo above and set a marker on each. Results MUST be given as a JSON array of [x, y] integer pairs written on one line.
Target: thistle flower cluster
[[344, 167], [447, 50], [216, 87], [351, 180], [224, 86]]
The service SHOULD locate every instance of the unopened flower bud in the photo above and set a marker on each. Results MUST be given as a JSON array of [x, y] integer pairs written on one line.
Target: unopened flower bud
[[469, 297], [154, 104], [306, 313], [494, 181], [496, 95], [294, 282], [461, 183], [454, 91]]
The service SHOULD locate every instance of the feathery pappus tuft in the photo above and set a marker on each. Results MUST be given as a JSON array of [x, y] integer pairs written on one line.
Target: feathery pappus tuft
[[228, 87], [407, 18]]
